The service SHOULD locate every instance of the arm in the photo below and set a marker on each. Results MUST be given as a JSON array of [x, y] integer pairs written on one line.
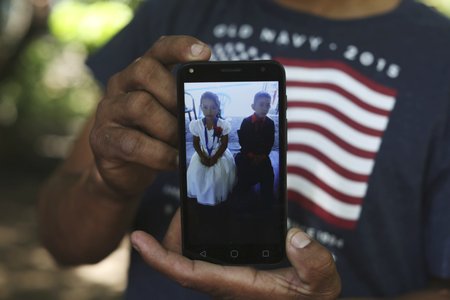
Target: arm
[[81, 219], [243, 136], [271, 138], [203, 158], [221, 150], [86, 207]]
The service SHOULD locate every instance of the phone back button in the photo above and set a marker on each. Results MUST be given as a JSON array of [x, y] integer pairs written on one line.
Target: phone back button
[[234, 253], [203, 253]]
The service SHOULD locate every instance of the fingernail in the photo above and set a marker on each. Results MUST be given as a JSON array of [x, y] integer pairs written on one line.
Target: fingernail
[[300, 240], [197, 49]]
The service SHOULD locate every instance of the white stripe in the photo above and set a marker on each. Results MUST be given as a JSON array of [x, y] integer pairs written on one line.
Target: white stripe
[[341, 157], [326, 174], [319, 197], [331, 123], [343, 80], [340, 103]]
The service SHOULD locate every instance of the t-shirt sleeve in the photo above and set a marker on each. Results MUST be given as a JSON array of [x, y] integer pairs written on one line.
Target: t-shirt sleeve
[[437, 204]]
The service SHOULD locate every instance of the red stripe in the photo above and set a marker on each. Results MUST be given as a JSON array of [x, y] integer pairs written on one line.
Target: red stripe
[[337, 114], [329, 162], [324, 186], [331, 136], [334, 64], [319, 211], [329, 86]]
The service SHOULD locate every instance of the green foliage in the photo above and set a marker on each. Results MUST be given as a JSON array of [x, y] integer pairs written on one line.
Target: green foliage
[[47, 95], [90, 24], [48, 92], [441, 5]]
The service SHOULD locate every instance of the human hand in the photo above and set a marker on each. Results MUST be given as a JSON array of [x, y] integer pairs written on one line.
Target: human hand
[[135, 131], [213, 160], [205, 160], [313, 273]]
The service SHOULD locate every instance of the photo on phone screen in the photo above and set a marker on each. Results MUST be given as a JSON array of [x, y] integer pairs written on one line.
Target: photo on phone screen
[[232, 161]]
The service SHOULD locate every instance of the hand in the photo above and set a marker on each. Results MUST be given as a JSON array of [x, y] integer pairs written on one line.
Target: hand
[[313, 273], [135, 131], [205, 160], [213, 160]]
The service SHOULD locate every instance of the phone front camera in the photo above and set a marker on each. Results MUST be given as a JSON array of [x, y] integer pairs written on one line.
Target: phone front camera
[[191, 70]]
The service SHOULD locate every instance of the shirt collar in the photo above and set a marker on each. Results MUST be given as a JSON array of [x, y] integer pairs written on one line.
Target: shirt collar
[[256, 119]]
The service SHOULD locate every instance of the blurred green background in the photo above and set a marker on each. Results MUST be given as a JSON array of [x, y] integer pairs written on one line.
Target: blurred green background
[[45, 95], [46, 91]]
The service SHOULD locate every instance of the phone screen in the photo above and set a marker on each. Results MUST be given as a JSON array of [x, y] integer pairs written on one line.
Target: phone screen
[[232, 161]]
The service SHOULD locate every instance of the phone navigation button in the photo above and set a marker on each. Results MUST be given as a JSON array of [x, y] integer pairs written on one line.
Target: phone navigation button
[[203, 253], [234, 253]]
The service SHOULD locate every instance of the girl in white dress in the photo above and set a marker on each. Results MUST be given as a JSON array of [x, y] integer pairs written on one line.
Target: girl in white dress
[[211, 174]]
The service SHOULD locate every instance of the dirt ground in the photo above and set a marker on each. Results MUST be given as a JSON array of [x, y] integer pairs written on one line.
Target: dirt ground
[[28, 272]]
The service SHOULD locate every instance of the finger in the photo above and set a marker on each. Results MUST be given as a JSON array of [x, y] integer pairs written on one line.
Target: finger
[[175, 266], [151, 71], [130, 145], [139, 109], [216, 280], [149, 75], [171, 50], [172, 239], [314, 264]]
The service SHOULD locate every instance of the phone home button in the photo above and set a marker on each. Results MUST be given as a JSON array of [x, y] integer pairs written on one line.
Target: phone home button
[[234, 253]]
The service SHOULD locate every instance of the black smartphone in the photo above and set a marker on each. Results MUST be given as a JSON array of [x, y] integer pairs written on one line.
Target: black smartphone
[[232, 124]]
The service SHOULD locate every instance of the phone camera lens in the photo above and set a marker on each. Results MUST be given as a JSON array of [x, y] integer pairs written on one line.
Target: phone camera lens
[[191, 70]]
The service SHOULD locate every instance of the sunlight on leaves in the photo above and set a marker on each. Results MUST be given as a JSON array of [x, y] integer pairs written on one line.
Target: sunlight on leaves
[[441, 5], [91, 24]]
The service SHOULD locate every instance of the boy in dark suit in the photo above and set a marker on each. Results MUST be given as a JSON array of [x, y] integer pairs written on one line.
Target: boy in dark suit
[[256, 137]]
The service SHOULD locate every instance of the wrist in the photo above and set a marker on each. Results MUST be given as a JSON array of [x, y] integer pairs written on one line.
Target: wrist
[[95, 185]]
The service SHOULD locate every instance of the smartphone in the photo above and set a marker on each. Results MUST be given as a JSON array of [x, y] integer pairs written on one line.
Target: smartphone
[[232, 125]]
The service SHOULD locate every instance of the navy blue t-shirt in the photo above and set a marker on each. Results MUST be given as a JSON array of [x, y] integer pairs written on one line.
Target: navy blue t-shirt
[[368, 132]]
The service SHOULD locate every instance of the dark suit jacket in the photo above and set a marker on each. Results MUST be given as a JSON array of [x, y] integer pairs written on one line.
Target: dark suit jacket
[[256, 138]]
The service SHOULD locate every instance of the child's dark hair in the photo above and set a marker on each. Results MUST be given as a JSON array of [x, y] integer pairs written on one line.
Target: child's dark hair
[[261, 95], [213, 97]]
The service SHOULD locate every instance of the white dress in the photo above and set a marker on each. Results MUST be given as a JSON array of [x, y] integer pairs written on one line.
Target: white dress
[[210, 185]]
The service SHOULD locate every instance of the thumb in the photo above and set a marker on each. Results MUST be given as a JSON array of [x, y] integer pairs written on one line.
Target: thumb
[[172, 239], [313, 264], [174, 49]]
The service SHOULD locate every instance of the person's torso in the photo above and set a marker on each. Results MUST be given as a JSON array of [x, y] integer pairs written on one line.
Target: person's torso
[[363, 105]]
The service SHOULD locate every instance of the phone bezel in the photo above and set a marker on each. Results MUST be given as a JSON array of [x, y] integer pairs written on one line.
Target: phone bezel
[[266, 70]]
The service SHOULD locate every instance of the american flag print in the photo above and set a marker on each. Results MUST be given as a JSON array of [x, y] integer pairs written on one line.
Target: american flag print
[[336, 120]]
